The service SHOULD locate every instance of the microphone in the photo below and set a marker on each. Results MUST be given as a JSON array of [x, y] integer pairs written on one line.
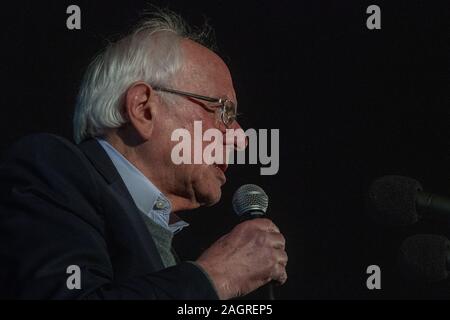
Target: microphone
[[401, 201], [424, 258], [251, 202]]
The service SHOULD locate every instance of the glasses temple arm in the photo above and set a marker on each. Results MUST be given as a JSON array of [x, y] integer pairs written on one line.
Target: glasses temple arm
[[187, 94]]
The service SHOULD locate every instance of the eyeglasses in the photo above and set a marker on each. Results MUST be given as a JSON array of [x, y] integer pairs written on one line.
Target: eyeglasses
[[228, 108]]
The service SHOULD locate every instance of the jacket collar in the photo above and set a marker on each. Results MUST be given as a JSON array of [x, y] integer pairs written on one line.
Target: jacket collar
[[103, 164], [101, 161]]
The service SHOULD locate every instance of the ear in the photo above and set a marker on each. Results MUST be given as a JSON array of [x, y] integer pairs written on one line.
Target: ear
[[140, 105]]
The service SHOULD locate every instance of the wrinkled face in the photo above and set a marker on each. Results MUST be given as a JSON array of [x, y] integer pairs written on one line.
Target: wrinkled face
[[203, 73]]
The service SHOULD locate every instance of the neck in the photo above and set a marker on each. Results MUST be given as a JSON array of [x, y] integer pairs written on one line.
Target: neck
[[180, 201]]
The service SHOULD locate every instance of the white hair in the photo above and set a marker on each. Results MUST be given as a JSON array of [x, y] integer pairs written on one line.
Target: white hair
[[150, 53]]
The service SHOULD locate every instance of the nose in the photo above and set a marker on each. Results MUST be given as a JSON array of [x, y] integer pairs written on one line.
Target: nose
[[236, 137]]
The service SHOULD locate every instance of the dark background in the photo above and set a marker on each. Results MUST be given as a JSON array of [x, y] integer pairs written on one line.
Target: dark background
[[351, 104]]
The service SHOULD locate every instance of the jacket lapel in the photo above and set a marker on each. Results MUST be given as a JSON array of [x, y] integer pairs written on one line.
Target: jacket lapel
[[103, 164]]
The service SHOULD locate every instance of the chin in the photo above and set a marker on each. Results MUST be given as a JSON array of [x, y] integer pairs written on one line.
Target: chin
[[208, 186], [212, 198], [209, 195]]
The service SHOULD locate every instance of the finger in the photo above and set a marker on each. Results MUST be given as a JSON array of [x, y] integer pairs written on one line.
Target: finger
[[280, 274], [267, 225], [283, 260], [283, 278], [280, 258], [276, 240]]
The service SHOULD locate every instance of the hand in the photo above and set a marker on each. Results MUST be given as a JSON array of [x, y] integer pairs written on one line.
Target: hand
[[248, 257]]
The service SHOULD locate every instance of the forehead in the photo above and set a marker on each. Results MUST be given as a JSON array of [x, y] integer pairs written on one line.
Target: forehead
[[204, 72]]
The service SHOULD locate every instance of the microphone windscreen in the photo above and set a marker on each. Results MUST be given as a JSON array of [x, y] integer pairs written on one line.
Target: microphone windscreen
[[423, 258], [391, 201], [250, 198]]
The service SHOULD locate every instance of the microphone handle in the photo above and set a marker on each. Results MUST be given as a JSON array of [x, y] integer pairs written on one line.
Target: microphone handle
[[439, 206], [269, 287]]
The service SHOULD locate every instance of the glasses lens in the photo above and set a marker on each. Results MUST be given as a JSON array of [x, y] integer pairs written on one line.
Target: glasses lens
[[228, 112]]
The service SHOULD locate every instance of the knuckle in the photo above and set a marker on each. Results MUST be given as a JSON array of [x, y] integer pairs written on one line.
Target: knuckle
[[243, 227], [272, 226], [274, 257], [260, 238], [265, 223], [285, 261], [284, 278], [278, 258], [249, 224], [282, 275], [281, 241]]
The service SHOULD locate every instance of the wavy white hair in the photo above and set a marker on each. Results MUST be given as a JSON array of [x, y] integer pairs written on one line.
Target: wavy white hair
[[150, 53]]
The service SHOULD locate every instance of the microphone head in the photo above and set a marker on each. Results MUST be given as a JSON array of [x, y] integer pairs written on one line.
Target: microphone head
[[424, 258], [249, 198], [392, 201]]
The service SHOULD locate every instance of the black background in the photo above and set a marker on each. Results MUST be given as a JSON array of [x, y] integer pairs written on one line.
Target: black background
[[351, 104]]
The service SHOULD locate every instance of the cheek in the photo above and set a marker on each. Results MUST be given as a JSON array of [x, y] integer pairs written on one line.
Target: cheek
[[164, 138], [199, 173], [188, 143]]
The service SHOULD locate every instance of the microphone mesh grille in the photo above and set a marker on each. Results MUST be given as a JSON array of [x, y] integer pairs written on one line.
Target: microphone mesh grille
[[250, 197]]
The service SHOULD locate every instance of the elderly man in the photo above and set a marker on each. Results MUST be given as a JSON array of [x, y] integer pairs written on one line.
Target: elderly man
[[96, 220]]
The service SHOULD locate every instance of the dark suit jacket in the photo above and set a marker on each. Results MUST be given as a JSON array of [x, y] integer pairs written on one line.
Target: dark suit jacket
[[63, 205]]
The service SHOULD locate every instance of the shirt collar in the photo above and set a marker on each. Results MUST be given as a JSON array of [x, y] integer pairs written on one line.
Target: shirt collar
[[147, 197]]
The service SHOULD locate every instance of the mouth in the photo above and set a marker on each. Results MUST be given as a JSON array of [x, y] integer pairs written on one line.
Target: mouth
[[221, 168]]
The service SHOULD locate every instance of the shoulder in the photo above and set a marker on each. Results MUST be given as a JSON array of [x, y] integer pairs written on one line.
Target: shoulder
[[45, 150], [41, 145], [48, 161]]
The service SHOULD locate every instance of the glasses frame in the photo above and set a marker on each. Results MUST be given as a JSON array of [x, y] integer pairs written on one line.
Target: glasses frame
[[224, 103]]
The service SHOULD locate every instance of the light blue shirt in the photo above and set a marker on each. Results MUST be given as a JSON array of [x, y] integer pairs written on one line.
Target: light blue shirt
[[145, 194]]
